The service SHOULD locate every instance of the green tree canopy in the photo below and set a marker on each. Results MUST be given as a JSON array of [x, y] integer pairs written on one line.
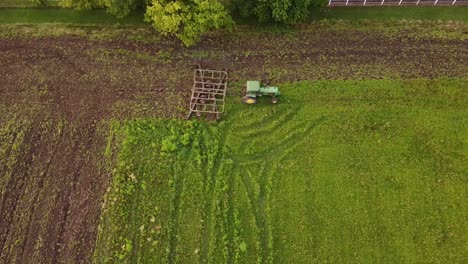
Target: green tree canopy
[[188, 20], [119, 8], [122, 8], [282, 11], [39, 3], [81, 4]]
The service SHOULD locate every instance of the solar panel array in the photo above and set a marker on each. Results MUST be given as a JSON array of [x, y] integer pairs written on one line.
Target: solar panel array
[[395, 2]]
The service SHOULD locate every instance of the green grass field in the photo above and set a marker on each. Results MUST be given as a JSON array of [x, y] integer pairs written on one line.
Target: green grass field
[[16, 3], [64, 15], [369, 171]]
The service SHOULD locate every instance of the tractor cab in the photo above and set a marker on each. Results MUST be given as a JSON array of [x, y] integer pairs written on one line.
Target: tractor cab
[[253, 90]]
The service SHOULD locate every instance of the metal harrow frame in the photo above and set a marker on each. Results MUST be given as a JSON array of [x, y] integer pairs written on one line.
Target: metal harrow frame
[[208, 92]]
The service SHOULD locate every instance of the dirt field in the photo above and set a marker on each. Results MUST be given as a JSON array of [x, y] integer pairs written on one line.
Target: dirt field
[[57, 94]]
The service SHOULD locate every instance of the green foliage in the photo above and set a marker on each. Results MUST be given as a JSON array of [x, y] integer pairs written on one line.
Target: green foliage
[[118, 8], [244, 8], [243, 247], [80, 4], [40, 3], [122, 8], [188, 20], [281, 11]]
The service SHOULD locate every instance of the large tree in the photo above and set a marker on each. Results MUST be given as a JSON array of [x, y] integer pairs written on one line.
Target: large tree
[[39, 3], [119, 8], [281, 11], [81, 4], [122, 8], [188, 20]]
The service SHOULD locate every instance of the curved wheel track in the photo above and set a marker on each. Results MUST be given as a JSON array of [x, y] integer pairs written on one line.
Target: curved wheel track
[[258, 165]]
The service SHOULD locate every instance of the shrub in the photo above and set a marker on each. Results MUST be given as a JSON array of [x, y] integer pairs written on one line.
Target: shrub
[[282, 11], [80, 4], [40, 3], [122, 8]]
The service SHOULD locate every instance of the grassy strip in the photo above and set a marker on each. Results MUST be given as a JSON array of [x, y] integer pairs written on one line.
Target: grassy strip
[[339, 171], [58, 15], [419, 29], [16, 3], [64, 15], [26, 3]]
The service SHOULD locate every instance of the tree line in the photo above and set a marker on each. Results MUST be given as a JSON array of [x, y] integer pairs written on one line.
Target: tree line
[[188, 20]]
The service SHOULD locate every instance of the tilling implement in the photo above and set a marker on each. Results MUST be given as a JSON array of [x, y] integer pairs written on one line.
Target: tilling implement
[[208, 92]]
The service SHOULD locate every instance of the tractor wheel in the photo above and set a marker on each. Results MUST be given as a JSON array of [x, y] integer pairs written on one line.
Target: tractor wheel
[[249, 100], [274, 100]]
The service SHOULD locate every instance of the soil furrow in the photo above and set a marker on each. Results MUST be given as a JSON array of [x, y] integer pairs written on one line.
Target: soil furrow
[[15, 191]]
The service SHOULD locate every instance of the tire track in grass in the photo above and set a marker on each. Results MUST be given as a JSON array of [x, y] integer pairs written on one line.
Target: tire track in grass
[[257, 192], [208, 207], [134, 258], [284, 150], [245, 219], [237, 228], [262, 213], [258, 198], [175, 213], [230, 225], [273, 121], [246, 177], [257, 204], [207, 219], [209, 183], [269, 173], [260, 203], [260, 208], [290, 140], [266, 187]]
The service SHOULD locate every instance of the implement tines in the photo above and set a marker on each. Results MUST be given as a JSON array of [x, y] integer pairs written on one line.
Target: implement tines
[[208, 92]]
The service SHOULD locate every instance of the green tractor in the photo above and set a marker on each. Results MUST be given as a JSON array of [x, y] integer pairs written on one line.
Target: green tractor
[[253, 90]]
